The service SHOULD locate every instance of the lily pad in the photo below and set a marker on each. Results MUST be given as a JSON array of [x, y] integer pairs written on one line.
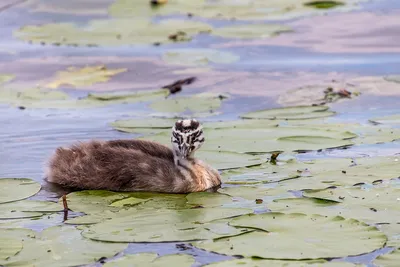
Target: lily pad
[[392, 231], [238, 10], [271, 139], [389, 260], [376, 205], [277, 263], [12, 242], [43, 98], [153, 260], [6, 78], [291, 113], [206, 199], [251, 31], [297, 236], [79, 77], [27, 209], [196, 103], [52, 247], [324, 4], [392, 119], [155, 225], [13, 189], [164, 125], [198, 57], [228, 160], [111, 32]]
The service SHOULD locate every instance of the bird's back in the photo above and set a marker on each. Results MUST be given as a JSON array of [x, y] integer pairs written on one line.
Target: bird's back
[[119, 165]]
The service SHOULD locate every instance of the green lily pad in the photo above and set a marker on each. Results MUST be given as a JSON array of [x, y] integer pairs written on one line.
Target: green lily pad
[[389, 260], [376, 205], [271, 139], [164, 125], [324, 4], [79, 77], [238, 10], [196, 103], [43, 98], [13, 189], [291, 113], [392, 231], [251, 31], [6, 78], [297, 236], [52, 247], [277, 263], [127, 202], [112, 32], [198, 57], [228, 160], [206, 199], [393, 119], [152, 259], [155, 225], [11, 242], [255, 192], [27, 209]]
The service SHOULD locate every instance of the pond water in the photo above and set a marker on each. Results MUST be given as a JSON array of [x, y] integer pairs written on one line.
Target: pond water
[[358, 46]]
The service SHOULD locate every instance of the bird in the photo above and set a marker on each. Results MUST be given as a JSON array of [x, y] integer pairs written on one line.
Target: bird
[[136, 165]]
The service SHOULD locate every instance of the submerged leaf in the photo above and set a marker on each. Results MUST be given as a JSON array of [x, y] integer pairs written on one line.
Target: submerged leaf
[[198, 57], [392, 119], [79, 77], [251, 31], [13, 189], [27, 209]]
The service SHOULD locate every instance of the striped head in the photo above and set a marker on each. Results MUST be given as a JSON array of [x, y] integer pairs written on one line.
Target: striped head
[[187, 137]]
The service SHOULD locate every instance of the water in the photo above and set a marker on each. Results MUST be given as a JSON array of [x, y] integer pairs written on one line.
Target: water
[[28, 137]]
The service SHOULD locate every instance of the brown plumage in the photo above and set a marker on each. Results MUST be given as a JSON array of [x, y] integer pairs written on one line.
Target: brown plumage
[[136, 165]]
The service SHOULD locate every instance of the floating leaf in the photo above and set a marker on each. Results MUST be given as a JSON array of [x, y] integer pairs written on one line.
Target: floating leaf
[[238, 10], [283, 138], [251, 31], [277, 263], [206, 199], [80, 77], [297, 236], [27, 209], [111, 32], [388, 260], [291, 113], [152, 259], [228, 160], [127, 202], [11, 242], [155, 225], [392, 119], [198, 57], [376, 205], [196, 103], [324, 4], [6, 78], [13, 189], [62, 246]]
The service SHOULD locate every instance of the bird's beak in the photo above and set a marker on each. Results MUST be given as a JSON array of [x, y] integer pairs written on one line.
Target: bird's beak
[[184, 151]]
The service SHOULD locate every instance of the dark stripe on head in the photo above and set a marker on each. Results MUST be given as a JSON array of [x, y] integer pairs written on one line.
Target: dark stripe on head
[[186, 126]]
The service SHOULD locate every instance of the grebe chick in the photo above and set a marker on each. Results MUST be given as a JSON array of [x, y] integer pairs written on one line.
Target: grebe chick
[[136, 165]]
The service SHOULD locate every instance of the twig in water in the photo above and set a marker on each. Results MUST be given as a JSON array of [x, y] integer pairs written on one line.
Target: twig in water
[[65, 204]]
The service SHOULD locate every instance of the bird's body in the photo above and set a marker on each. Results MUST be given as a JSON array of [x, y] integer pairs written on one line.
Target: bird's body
[[135, 165]]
